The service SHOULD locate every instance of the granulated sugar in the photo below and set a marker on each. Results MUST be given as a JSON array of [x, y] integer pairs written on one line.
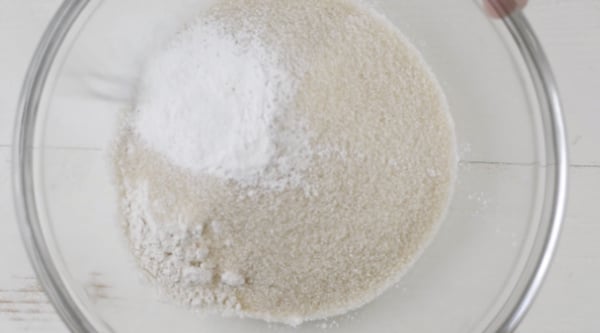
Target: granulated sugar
[[285, 160]]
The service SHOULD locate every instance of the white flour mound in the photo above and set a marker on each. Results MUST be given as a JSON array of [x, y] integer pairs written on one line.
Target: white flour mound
[[286, 160], [209, 103]]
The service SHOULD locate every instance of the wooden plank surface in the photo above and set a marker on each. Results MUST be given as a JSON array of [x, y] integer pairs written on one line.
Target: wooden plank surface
[[569, 302]]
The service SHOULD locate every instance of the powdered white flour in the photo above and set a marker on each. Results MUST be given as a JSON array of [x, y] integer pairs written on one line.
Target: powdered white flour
[[209, 103], [285, 160]]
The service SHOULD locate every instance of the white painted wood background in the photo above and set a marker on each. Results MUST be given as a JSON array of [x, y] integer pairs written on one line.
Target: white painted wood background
[[570, 299]]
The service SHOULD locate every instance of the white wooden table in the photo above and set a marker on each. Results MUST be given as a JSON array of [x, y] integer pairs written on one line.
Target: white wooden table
[[570, 299]]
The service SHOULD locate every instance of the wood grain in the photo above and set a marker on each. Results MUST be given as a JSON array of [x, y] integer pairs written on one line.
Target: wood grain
[[569, 301], [26, 305]]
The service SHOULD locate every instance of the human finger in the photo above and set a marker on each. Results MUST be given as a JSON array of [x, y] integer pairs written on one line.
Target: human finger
[[501, 8]]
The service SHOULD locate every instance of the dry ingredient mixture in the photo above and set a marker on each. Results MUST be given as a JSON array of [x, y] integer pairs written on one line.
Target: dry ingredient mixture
[[285, 160]]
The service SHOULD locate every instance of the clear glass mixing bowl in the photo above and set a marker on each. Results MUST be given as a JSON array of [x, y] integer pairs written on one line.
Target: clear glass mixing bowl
[[482, 270]]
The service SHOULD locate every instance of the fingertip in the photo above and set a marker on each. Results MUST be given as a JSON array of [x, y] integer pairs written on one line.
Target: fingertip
[[502, 8]]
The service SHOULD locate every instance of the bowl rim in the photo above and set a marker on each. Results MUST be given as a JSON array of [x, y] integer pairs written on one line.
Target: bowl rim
[[506, 319]]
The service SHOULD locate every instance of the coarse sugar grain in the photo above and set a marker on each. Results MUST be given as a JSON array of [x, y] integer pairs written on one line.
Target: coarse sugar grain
[[354, 168]]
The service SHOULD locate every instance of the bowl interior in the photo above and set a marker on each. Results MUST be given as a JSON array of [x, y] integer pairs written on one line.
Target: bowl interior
[[458, 284]]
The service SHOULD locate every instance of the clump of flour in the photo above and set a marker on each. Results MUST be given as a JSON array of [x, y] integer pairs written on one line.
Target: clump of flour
[[285, 160], [210, 103]]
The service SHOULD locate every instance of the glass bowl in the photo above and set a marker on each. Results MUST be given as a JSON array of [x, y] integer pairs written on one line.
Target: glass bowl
[[482, 270]]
